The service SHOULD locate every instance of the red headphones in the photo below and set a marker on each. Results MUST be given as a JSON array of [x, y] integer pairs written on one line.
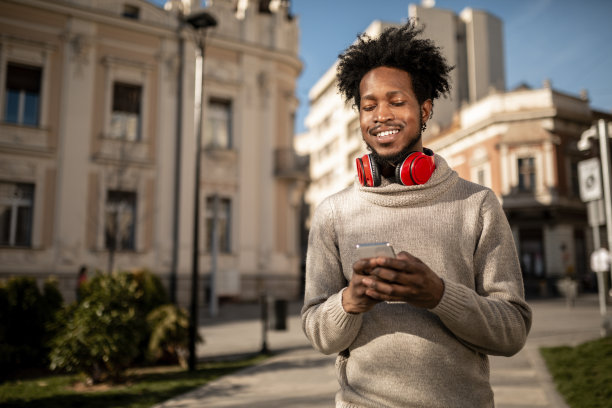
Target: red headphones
[[417, 168]]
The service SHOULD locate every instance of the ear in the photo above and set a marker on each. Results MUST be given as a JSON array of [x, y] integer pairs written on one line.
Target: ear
[[426, 110]]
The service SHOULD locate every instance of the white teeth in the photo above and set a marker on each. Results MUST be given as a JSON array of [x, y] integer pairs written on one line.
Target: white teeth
[[387, 133]]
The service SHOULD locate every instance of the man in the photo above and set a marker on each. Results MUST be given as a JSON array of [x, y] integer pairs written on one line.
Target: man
[[414, 330]]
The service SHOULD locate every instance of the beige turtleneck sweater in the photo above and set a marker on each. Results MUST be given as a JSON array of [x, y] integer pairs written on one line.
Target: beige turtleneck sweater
[[397, 355]]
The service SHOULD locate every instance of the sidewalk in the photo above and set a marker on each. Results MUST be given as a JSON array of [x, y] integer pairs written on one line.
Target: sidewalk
[[299, 377]]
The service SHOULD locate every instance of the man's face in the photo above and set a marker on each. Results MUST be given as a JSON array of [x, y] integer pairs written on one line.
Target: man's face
[[390, 116]]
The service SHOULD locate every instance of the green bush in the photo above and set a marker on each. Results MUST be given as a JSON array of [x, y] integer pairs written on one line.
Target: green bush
[[52, 297], [25, 314], [154, 292], [169, 339], [153, 295], [151, 289], [103, 332]]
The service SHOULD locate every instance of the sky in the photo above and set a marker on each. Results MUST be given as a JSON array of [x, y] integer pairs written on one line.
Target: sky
[[567, 42]]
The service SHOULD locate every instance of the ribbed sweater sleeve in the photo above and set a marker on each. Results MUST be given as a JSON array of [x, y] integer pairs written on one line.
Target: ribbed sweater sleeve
[[328, 327], [493, 318]]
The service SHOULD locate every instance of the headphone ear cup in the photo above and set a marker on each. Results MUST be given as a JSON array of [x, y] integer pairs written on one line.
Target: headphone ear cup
[[367, 171], [402, 172], [416, 169], [360, 171], [375, 173]]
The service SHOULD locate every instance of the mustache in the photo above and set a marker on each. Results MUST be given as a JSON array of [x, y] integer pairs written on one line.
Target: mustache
[[385, 125]]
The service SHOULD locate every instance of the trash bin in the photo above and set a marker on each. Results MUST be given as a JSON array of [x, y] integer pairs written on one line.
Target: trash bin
[[280, 314]]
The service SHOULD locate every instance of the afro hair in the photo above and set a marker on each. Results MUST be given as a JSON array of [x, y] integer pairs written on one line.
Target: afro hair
[[396, 47]]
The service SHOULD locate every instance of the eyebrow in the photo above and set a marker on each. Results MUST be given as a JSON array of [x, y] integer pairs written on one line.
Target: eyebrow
[[388, 94]]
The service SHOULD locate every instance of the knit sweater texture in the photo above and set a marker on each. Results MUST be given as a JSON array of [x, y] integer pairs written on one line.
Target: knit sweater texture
[[398, 355]]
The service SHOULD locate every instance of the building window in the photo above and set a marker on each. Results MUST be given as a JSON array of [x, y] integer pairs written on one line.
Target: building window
[[574, 179], [218, 133], [526, 174], [22, 104], [532, 253], [120, 220], [130, 11], [264, 6], [292, 119], [16, 210], [125, 117], [223, 217]]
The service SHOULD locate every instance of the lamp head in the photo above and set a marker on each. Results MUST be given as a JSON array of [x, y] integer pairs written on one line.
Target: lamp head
[[201, 19]]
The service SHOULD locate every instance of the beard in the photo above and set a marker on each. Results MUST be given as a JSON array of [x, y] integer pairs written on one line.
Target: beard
[[396, 158]]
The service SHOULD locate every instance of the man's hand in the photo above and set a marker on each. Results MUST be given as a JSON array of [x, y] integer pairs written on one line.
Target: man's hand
[[405, 278], [354, 298]]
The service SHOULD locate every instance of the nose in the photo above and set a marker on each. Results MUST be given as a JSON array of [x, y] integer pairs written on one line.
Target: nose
[[383, 113]]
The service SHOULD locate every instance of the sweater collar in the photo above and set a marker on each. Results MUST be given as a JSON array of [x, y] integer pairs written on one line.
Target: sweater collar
[[390, 194]]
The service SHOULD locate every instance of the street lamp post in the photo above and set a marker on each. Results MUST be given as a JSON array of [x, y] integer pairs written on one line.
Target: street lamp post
[[200, 21]]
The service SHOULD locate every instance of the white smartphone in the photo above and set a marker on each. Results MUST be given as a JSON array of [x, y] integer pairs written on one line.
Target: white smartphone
[[374, 249]]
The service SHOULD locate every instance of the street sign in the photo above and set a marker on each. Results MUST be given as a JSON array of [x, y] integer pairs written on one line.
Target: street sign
[[589, 176], [600, 260], [595, 213]]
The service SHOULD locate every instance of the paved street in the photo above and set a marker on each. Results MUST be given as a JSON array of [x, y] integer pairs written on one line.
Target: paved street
[[299, 377]]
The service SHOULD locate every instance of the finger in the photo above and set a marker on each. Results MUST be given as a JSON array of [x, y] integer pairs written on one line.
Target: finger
[[407, 256], [364, 266], [406, 263], [382, 296], [389, 275], [372, 294], [357, 288], [363, 281], [384, 290]]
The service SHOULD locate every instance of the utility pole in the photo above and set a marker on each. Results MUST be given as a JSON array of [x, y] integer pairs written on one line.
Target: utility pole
[[594, 180], [604, 152]]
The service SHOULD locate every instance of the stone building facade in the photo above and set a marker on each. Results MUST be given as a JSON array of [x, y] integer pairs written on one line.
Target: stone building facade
[[523, 144], [98, 147]]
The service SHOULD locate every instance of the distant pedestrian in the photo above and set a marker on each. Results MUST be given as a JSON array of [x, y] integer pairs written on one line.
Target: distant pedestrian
[[81, 279], [568, 284], [413, 330]]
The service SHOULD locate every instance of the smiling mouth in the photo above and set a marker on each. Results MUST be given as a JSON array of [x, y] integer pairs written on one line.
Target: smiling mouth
[[387, 134]]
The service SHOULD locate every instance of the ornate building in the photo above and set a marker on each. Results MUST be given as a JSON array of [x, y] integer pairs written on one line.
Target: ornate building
[[523, 144], [97, 145]]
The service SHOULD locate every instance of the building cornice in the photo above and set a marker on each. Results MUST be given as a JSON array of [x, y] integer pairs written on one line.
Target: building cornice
[[447, 139], [255, 50], [111, 61], [515, 106], [72, 9], [28, 151], [6, 38]]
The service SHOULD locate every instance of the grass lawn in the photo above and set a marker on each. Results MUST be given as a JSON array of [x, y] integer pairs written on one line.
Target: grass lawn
[[142, 388], [583, 374]]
